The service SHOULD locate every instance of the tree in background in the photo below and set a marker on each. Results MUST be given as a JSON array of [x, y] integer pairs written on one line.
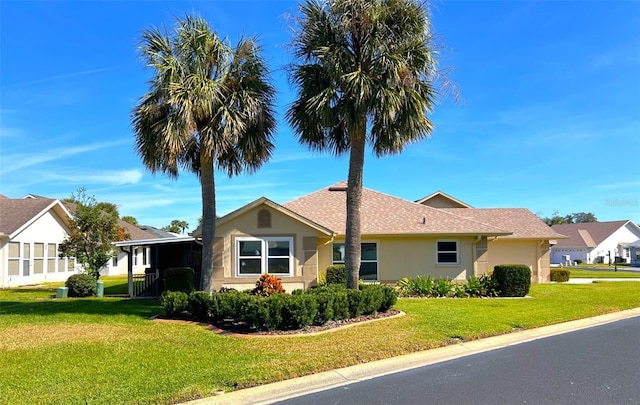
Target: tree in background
[[130, 220], [575, 218], [209, 106], [91, 231], [367, 74], [176, 226]]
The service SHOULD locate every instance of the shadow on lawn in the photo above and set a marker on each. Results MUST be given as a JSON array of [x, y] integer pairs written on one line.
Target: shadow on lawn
[[88, 306]]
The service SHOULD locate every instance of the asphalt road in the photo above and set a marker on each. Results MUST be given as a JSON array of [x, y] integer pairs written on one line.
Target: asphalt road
[[599, 365]]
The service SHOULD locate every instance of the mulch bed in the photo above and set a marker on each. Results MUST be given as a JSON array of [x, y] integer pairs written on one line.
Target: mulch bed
[[239, 329]]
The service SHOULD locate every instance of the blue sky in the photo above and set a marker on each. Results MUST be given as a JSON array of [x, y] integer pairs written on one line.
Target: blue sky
[[549, 118]]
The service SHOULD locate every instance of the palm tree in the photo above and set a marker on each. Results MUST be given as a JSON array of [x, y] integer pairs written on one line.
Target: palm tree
[[365, 75], [209, 107]]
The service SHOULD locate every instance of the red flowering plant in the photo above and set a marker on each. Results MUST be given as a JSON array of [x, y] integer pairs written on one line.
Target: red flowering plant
[[268, 285]]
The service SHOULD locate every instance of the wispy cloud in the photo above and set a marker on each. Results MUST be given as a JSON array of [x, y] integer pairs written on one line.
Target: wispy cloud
[[296, 156], [58, 77], [8, 132], [633, 185], [114, 178], [19, 161]]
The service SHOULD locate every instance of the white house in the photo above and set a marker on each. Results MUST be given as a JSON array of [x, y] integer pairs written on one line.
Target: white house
[[596, 242], [31, 230]]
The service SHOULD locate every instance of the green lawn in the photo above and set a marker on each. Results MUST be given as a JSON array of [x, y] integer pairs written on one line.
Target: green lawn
[[602, 272], [106, 351]]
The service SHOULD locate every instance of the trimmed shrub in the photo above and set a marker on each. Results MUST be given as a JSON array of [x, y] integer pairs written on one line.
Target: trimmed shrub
[[179, 279], [268, 285], [560, 275], [174, 302], [372, 298], [200, 304], [336, 274], [578, 261], [299, 311], [513, 280], [389, 298], [82, 285], [356, 303]]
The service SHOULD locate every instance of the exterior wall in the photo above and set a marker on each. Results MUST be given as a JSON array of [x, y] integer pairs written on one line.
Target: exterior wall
[[48, 229], [558, 255], [305, 245], [533, 253], [139, 265], [411, 256]]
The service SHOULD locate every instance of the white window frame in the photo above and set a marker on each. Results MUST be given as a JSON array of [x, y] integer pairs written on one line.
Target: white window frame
[[14, 259], [457, 252], [377, 261], [264, 255]]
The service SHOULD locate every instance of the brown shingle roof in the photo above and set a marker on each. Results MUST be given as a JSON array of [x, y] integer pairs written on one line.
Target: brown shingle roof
[[135, 233], [593, 233], [383, 214], [522, 222], [14, 213]]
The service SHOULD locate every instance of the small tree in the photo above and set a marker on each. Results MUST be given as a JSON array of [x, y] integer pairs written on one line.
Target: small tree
[[131, 220], [91, 231]]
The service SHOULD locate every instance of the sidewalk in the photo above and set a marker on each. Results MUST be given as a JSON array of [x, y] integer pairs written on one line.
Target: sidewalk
[[591, 280], [271, 393]]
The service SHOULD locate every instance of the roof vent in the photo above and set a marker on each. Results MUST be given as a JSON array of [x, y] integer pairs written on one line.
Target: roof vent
[[424, 220], [338, 188]]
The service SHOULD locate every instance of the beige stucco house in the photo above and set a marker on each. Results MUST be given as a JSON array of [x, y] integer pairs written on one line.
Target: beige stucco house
[[437, 235]]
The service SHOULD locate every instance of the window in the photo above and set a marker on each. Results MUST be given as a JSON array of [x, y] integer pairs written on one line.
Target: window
[[51, 258], [114, 261], [26, 259], [38, 258], [269, 255], [145, 256], [135, 256], [14, 259], [447, 252], [368, 259]]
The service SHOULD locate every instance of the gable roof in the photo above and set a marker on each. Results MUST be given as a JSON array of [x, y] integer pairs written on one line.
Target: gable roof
[[16, 214], [440, 199], [588, 234], [520, 221], [383, 214], [265, 201]]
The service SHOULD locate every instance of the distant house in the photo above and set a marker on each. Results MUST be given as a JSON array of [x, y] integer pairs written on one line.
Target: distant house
[[596, 242], [140, 256], [298, 240], [31, 231]]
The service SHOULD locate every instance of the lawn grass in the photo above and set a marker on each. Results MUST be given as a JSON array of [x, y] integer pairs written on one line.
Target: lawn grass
[[602, 272], [107, 351]]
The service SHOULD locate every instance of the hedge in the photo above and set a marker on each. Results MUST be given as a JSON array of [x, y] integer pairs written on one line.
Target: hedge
[[513, 280], [560, 275], [179, 279], [82, 285], [315, 306]]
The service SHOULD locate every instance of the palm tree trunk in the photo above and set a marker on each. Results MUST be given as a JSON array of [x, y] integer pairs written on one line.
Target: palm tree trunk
[[354, 202], [207, 183]]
